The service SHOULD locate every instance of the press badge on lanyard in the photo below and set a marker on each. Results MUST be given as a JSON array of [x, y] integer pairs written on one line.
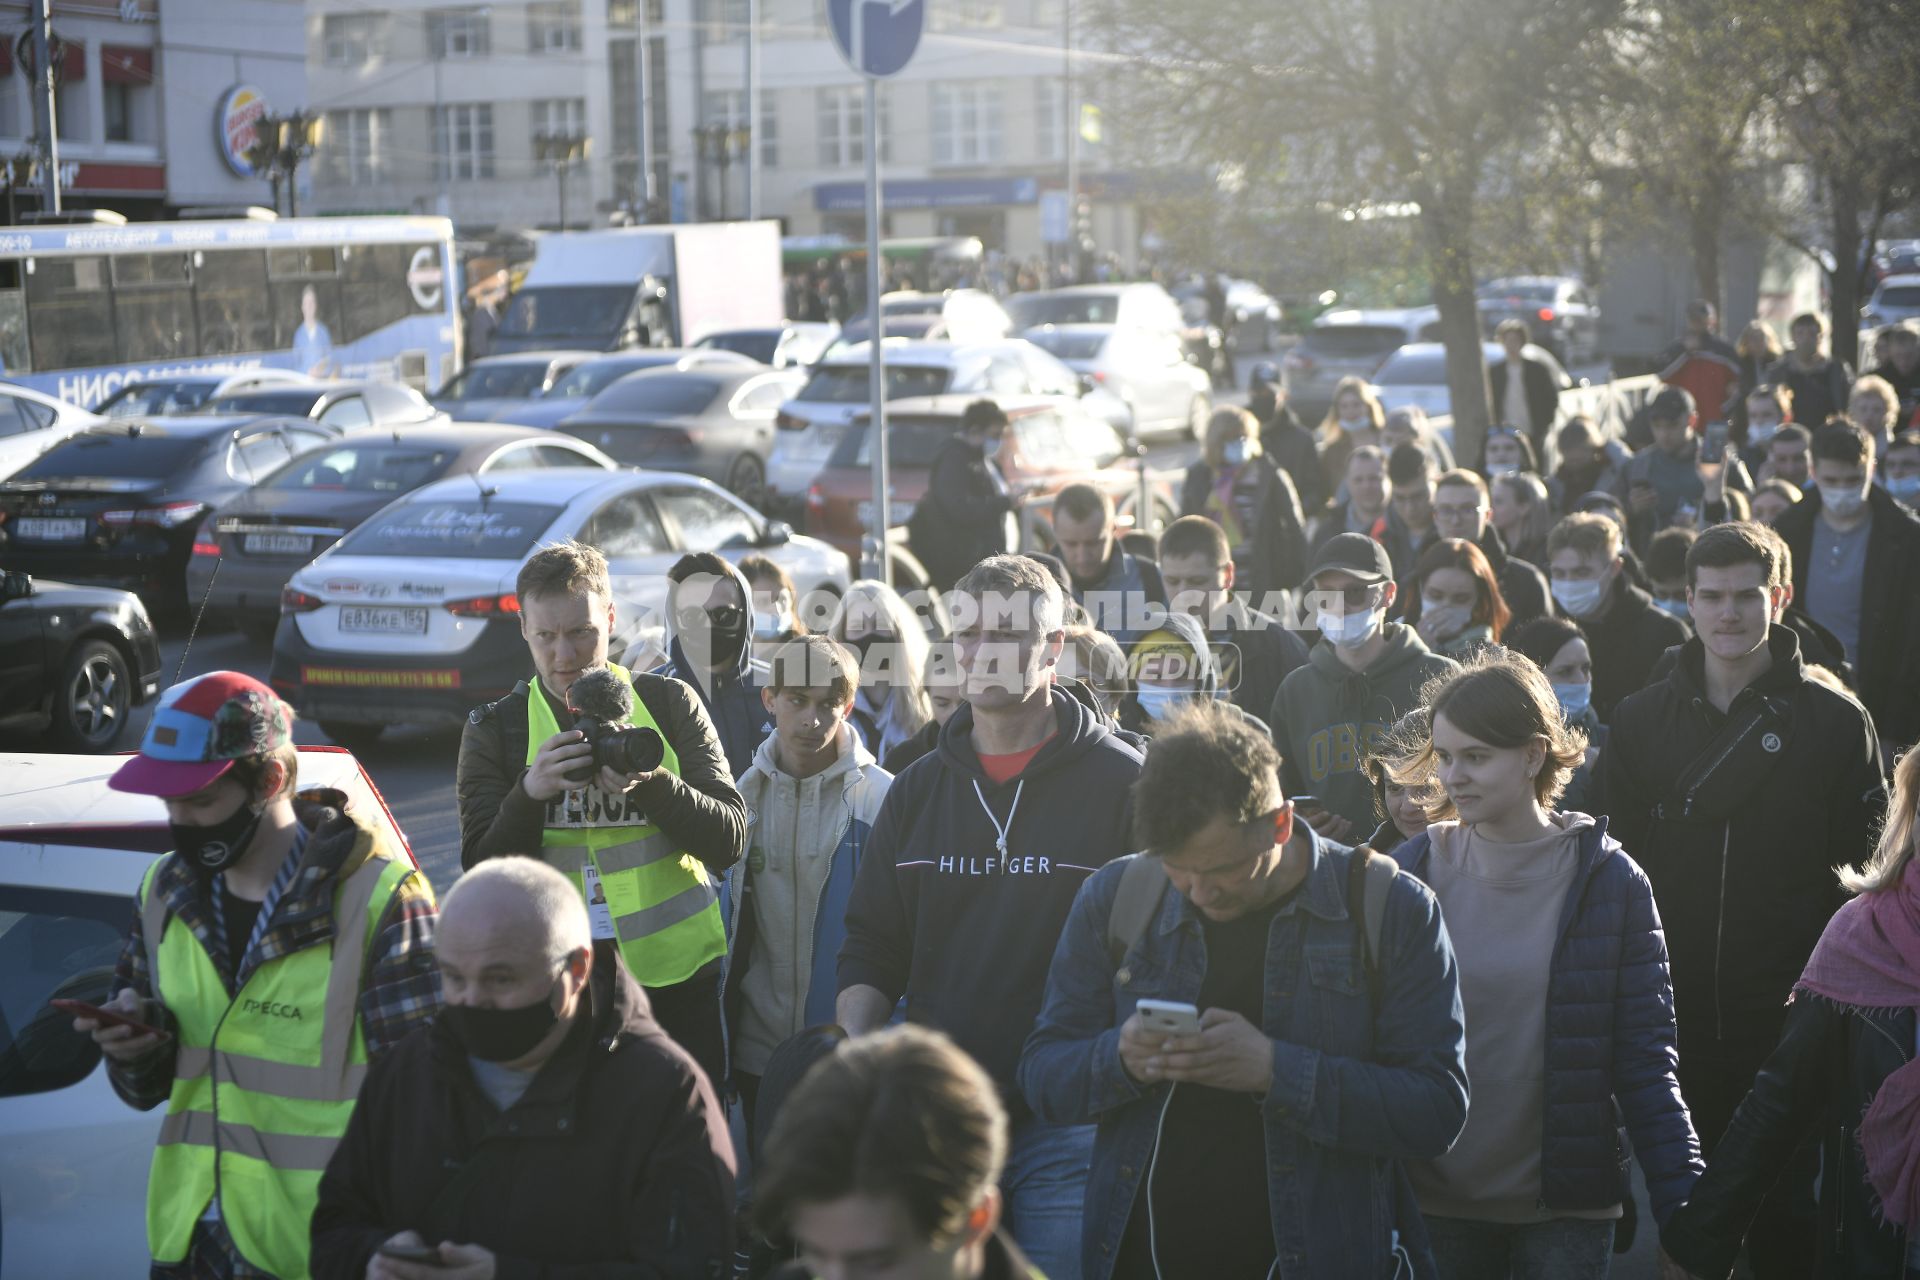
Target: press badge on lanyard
[[599, 914]]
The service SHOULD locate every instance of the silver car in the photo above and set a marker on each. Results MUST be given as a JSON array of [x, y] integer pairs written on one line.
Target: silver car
[[1895, 299], [1148, 370], [1348, 344]]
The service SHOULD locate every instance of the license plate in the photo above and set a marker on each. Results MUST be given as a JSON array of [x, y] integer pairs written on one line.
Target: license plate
[[383, 622], [278, 544], [44, 530], [898, 512]]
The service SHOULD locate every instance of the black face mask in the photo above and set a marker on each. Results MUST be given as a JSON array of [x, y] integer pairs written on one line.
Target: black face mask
[[211, 849], [501, 1035]]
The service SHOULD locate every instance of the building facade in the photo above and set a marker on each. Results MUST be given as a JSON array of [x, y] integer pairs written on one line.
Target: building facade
[[145, 91]]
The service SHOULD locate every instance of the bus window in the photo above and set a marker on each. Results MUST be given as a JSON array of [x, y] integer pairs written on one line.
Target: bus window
[[230, 293], [14, 356], [154, 302], [305, 263], [374, 291], [72, 313]]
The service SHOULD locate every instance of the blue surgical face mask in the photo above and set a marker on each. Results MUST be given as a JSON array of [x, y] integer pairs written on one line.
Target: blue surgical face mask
[[1234, 452], [1160, 702], [1905, 488], [1351, 630], [1579, 597], [1574, 698], [1674, 607]]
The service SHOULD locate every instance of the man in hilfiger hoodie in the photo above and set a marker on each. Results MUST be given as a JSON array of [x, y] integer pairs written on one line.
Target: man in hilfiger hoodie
[[976, 857], [1739, 783], [812, 793]]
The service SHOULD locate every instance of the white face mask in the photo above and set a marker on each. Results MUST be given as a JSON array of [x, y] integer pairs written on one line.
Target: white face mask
[[1675, 607], [1359, 422], [1842, 502], [1350, 630], [1234, 452], [771, 625], [1580, 598], [1502, 468], [1445, 620]]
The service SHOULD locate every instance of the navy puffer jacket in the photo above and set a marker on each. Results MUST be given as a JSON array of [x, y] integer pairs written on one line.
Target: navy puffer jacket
[[1610, 1040]]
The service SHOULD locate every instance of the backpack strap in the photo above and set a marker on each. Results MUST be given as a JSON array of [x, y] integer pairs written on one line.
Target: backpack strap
[[1369, 878], [1143, 882]]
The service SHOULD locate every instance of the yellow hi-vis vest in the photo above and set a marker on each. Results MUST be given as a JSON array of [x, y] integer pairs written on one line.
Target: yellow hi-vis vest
[[264, 1081], [665, 908]]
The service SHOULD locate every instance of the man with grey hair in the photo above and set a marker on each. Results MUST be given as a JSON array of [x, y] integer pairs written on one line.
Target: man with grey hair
[[544, 1094], [973, 865]]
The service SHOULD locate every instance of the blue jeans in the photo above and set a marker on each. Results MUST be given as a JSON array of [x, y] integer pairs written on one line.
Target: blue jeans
[[1045, 1185], [1562, 1249]]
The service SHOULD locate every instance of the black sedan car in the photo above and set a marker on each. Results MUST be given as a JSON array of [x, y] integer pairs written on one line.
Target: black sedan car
[[119, 504], [488, 387], [74, 661], [248, 547], [715, 422], [344, 405]]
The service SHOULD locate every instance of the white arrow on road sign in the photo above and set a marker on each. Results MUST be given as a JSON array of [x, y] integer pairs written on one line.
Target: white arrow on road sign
[[877, 37]]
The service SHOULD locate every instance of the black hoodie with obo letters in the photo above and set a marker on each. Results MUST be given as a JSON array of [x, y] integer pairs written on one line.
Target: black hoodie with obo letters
[[963, 927]]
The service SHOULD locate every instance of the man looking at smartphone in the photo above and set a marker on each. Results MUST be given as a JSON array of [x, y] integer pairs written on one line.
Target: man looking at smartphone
[[266, 1034], [1351, 1055]]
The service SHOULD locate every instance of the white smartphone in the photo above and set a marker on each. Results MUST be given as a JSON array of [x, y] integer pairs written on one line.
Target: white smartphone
[[1170, 1017]]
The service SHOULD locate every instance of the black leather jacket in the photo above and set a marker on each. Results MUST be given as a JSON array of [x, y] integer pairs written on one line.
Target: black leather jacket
[[1829, 1063]]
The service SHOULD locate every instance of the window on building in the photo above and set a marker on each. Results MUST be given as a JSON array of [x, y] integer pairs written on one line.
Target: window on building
[[557, 118], [959, 15], [116, 100], [967, 123], [357, 144], [463, 141], [459, 33], [350, 39], [70, 110], [1049, 118], [843, 127], [553, 26], [728, 107]]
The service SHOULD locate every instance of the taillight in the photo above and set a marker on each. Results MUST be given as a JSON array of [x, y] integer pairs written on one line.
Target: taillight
[[789, 422], [1546, 315], [485, 606], [1099, 375], [204, 543], [293, 601], [170, 516], [816, 500]]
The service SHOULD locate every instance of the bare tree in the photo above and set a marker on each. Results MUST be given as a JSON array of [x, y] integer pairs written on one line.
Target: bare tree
[[1370, 101]]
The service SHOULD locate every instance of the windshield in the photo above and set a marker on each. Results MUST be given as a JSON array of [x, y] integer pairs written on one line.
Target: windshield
[[1353, 339], [659, 395], [1063, 308], [295, 403], [912, 306], [465, 529], [114, 456], [754, 344], [157, 399], [847, 383], [368, 468], [1525, 292], [595, 376], [1068, 346], [1904, 296], [575, 311], [1424, 369], [911, 442], [496, 382]]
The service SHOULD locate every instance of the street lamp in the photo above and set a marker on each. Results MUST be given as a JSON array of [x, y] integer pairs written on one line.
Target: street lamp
[[722, 144], [563, 151], [280, 145]]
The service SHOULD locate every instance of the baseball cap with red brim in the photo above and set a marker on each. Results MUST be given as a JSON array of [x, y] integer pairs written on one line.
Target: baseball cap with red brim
[[199, 728]]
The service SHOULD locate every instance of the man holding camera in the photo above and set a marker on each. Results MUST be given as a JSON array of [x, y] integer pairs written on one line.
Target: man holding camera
[[652, 841]]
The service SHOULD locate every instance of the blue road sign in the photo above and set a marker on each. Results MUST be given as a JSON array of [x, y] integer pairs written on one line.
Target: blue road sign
[[877, 37]]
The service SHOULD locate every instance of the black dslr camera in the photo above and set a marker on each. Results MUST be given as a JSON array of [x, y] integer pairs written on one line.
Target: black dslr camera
[[602, 703]]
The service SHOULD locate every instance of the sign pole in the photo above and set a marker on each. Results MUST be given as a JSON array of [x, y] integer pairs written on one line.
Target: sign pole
[[44, 97], [878, 563]]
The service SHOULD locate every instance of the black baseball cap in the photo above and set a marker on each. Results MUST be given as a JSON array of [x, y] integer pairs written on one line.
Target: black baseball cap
[[1353, 553]]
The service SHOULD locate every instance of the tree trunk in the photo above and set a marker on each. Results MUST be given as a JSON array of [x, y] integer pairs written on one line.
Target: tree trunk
[[1843, 288], [1704, 216], [1446, 221]]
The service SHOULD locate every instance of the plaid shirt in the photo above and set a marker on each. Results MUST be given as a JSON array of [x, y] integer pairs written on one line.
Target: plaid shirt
[[401, 989]]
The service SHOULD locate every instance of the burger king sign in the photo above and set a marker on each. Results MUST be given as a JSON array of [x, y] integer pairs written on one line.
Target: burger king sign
[[239, 110]]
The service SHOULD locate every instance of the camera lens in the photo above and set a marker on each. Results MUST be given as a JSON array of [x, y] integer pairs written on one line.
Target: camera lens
[[633, 750]]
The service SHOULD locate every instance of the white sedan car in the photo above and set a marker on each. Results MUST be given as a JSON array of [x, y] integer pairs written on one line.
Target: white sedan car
[[1147, 369], [73, 1156], [1416, 374], [32, 423], [412, 617]]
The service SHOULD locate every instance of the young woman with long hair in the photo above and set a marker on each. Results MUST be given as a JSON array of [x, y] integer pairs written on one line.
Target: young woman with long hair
[[1456, 604]]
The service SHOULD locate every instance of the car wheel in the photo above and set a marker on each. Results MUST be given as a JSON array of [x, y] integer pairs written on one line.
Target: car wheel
[[747, 480], [354, 737], [1197, 414], [90, 704]]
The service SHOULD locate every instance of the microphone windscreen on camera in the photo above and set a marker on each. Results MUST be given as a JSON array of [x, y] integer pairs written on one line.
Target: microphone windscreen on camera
[[602, 694]]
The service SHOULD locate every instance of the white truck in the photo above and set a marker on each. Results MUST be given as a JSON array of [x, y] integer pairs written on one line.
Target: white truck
[[653, 286]]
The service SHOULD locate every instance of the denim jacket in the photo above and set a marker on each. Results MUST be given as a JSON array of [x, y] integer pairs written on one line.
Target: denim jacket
[[1354, 1090]]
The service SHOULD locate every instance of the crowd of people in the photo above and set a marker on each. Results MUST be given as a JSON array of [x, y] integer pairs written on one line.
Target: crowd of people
[[1219, 954]]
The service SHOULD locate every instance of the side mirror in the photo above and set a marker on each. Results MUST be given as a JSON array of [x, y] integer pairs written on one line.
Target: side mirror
[[778, 534], [15, 586]]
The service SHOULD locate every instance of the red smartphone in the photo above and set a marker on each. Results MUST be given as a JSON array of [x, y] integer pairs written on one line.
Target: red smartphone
[[106, 1017]]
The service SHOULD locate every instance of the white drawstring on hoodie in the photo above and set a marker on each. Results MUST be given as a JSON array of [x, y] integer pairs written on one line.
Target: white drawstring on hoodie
[[1000, 828]]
